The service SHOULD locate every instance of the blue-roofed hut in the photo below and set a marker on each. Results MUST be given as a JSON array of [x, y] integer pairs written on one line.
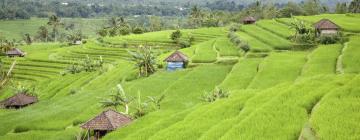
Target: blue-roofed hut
[[176, 60]]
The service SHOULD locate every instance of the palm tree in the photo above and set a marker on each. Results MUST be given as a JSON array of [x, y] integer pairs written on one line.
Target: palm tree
[[118, 99], [43, 33], [145, 60], [114, 22], [55, 22]]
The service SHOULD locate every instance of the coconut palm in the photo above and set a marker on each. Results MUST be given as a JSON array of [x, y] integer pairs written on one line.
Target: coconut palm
[[119, 98], [144, 60], [55, 22]]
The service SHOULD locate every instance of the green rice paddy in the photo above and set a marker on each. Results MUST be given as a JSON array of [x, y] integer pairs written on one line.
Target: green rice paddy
[[275, 92]]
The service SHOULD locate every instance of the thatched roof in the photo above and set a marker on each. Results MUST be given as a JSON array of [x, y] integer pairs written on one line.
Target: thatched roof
[[177, 57], [107, 120], [19, 100], [249, 19], [15, 51], [326, 24]]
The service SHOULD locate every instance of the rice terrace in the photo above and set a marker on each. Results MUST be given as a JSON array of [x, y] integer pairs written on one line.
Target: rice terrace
[[180, 70]]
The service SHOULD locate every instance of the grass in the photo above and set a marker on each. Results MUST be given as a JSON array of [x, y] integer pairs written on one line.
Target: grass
[[276, 28], [15, 29], [322, 60], [351, 59], [205, 52], [255, 44], [326, 120], [275, 96], [278, 68], [225, 47], [287, 107], [242, 74], [267, 37]]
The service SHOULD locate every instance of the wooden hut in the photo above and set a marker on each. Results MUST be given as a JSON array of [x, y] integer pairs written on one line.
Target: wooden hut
[[18, 101], [105, 122], [176, 60], [326, 27], [249, 20], [15, 52]]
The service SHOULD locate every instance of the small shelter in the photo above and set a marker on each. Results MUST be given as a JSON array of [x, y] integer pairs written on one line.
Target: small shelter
[[18, 101], [105, 122], [176, 60], [326, 27], [249, 20], [77, 42], [15, 52]]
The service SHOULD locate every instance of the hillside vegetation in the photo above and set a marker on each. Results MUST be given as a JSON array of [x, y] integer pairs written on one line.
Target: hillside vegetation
[[275, 92]]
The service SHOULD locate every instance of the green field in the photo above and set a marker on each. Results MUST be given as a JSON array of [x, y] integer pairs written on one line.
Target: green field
[[275, 92], [15, 29]]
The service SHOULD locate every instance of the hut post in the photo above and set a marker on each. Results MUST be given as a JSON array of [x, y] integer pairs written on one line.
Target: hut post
[[88, 134]]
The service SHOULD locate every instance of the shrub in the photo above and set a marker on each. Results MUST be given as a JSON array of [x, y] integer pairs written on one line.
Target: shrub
[[73, 91], [138, 30], [124, 31], [84, 41], [102, 32], [20, 129], [215, 95], [175, 36], [245, 47], [234, 27], [25, 89], [73, 69], [184, 44]]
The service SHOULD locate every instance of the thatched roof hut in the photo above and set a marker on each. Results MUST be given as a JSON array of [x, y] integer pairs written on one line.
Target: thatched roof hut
[[326, 27], [177, 56], [249, 20], [15, 52], [106, 121], [18, 101]]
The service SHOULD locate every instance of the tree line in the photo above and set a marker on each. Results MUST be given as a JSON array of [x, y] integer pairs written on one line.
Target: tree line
[[19, 9]]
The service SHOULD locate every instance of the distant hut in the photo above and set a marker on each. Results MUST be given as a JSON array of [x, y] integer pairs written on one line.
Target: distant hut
[[176, 60], [77, 42], [326, 27], [249, 20], [15, 52], [18, 101], [105, 122]]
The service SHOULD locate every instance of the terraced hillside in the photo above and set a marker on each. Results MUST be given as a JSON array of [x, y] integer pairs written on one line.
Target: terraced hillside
[[275, 92]]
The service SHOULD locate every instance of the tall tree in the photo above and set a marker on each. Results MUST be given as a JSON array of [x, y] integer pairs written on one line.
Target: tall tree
[[56, 23], [341, 8], [43, 34], [291, 9], [354, 6], [196, 17], [312, 7], [155, 23], [27, 39]]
